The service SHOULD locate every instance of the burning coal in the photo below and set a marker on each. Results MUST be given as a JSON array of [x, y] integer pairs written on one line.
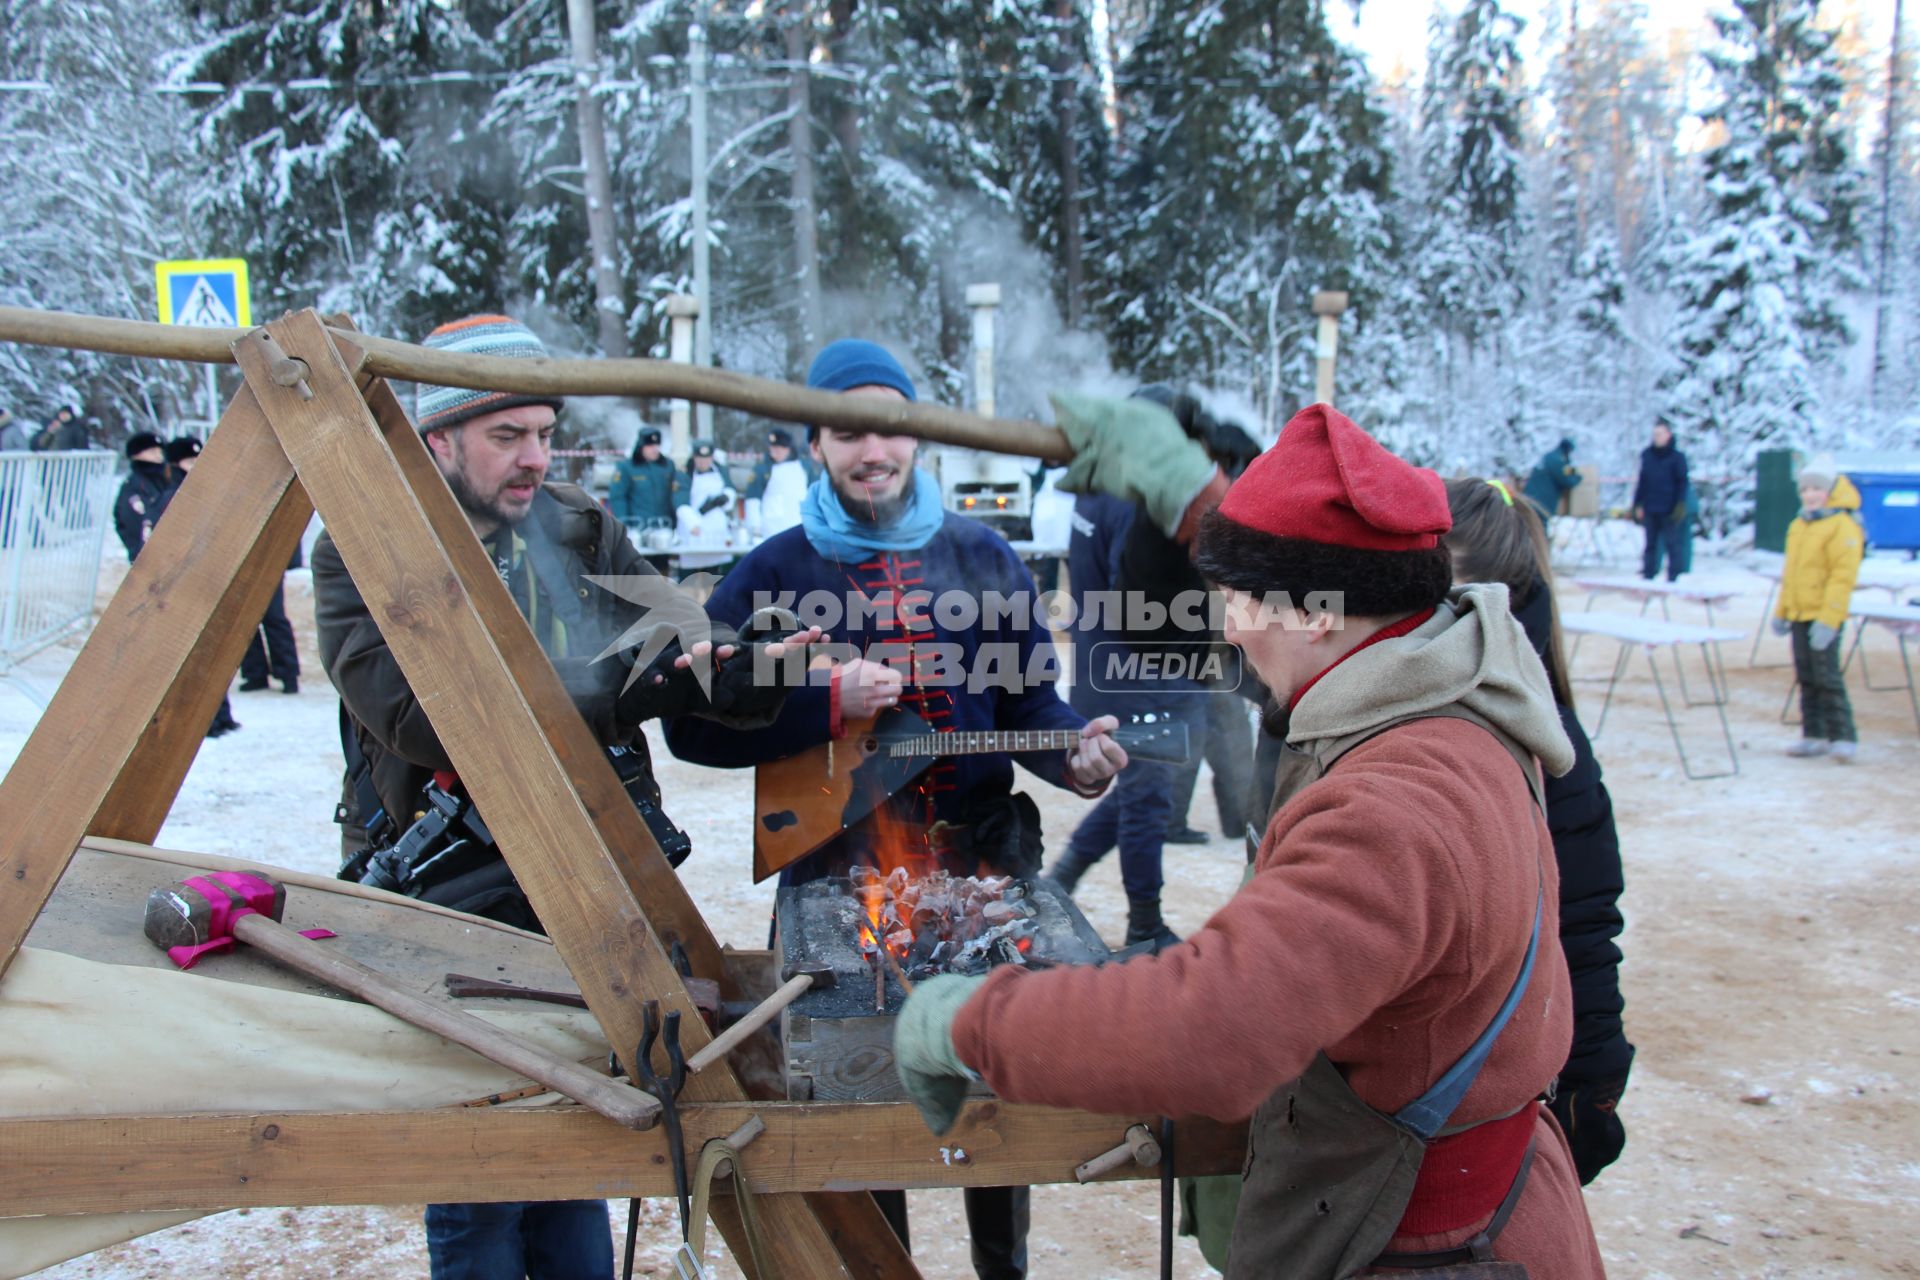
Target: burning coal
[[942, 923]]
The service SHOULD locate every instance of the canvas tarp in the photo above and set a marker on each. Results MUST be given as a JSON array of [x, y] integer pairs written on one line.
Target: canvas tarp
[[85, 1036]]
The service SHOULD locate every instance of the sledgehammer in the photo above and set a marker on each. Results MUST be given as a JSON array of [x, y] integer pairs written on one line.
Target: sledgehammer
[[210, 912]]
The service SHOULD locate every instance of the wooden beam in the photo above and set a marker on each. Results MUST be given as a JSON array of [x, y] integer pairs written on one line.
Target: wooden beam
[[499, 709], [121, 1164], [108, 754], [648, 379]]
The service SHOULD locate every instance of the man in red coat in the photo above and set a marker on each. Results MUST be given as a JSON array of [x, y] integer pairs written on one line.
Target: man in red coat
[[1383, 998]]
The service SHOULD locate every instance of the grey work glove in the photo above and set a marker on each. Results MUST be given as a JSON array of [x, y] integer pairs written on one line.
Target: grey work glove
[[714, 503], [1782, 627], [930, 1071], [1820, 636], [1133, 449]]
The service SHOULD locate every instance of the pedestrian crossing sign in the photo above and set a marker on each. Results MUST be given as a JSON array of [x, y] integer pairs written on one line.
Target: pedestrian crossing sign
[[205, 292]]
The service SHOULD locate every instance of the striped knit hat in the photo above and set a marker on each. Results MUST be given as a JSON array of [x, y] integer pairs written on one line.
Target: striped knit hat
[[437, 408]]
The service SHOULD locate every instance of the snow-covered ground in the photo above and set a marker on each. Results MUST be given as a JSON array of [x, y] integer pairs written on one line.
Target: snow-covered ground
[[1770, 987]]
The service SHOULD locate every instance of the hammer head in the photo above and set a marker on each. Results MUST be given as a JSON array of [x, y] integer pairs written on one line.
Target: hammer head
[[201, 909], [821, 974]]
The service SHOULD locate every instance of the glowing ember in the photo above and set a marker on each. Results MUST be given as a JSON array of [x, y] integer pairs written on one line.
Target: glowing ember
[[941, 923]]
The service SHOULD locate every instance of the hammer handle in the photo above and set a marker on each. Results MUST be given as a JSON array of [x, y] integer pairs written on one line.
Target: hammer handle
[[763, 1013], [617, 1102]]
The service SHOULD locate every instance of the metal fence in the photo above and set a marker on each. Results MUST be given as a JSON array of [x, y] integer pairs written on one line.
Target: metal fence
[[54, 511]]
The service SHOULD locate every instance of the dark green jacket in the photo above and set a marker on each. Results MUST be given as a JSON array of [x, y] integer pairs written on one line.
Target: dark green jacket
[[642, 491], [1553, 476]]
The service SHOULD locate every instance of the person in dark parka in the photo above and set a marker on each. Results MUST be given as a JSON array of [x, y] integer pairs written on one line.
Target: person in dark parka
[[142, 496], [153, 481], [1552, 477], [1497, 540], [1660, 502]]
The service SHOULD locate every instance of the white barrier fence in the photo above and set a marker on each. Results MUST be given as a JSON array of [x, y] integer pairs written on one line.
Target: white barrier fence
[[54, 512]]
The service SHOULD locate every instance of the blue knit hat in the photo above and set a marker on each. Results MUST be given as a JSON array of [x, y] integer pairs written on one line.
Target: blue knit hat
[[855, 362], [437, 408]]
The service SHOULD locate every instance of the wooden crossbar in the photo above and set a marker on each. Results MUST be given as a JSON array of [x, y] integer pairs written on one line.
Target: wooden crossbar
[[119, 1164]]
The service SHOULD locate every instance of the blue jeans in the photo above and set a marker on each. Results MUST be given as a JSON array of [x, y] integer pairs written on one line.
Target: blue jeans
[[520, 1240], [1133, 814]]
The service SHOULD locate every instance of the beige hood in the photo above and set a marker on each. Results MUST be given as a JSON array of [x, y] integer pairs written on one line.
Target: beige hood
[[1471, 653]]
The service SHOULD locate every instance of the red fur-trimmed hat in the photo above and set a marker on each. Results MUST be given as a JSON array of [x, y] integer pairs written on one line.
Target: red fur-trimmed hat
[[1328, 481], [1327, 509]]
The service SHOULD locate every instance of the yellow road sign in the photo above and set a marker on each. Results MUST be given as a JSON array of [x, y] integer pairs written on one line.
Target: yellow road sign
[[209, 291]]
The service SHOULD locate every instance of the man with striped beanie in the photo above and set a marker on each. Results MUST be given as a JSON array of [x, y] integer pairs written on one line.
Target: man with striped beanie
[[553, 546]]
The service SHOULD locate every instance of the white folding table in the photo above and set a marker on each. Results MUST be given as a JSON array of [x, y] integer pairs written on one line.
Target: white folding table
[[1901, 619], [1652, 635], [1646, 590]]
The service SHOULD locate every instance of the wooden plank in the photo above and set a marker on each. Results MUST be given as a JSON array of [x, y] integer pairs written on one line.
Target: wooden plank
[[119, 1164], [500, 711], [111, 748]]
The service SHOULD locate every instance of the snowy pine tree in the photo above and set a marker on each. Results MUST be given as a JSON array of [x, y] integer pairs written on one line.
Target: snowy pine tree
[[1758, 284], [82, 233], [353, 170], [1257, 174]]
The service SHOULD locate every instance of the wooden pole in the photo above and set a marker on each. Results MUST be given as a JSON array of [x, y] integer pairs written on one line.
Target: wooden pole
[[660, 379], [1328, 305]]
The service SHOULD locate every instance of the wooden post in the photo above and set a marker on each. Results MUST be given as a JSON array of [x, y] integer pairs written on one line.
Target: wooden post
[[1328, 305], [683, 314]]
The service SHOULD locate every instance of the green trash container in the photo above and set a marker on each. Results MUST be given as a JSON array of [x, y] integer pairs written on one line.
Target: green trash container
[[1776, 497]]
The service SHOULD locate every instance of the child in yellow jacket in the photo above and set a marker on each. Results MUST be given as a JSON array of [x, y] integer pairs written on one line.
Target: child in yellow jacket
[[1824, 548]]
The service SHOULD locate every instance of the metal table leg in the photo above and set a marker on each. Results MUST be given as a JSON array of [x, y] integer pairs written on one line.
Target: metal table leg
[[1913, 695], [1866, 673], [1619, 668], [1761, 629], [1673, 724]]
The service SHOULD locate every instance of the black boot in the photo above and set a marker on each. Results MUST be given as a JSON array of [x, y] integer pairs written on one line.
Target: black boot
[[1145, 925], [1067, 871]]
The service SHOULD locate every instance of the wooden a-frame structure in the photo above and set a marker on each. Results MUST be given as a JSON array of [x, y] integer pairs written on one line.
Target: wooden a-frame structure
[[311, 427]]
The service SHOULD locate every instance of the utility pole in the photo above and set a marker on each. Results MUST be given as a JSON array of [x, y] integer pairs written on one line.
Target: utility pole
[[609, 305], [702, 273], [1889, 141]]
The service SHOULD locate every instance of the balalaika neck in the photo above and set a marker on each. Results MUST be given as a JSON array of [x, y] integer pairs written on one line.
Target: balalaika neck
[[984, 742]]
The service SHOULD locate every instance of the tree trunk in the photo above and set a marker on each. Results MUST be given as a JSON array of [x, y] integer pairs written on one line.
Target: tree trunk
[[609, 306], [806, 222], [1889, 142], [1066, 102], [846, 110]]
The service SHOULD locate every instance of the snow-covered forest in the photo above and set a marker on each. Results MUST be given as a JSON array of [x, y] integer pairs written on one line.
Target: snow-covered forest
[[1723, 228]]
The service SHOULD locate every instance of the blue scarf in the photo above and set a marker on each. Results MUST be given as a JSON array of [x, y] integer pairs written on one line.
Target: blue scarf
[[840, 536]]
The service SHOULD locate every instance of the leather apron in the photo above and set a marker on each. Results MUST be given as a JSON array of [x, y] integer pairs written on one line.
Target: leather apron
[[1327, 1177]]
